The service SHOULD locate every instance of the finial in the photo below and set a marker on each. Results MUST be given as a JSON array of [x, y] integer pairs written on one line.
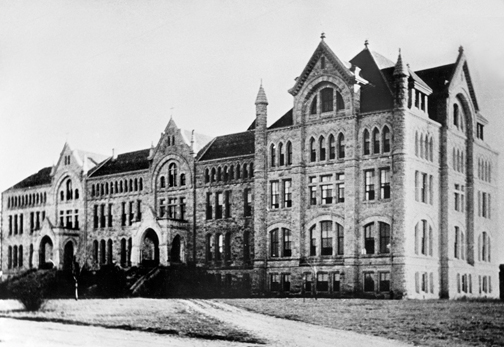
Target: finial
[[461, 49], [322, 36], [366, 43]]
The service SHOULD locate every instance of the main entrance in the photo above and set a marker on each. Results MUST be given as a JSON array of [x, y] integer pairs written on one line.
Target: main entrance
[[46, 253], [149, 252]]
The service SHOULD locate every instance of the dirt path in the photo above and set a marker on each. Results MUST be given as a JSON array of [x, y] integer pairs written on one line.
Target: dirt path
[[283, 332]]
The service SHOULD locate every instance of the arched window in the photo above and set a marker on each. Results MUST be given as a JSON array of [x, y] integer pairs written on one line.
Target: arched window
[[386, 139], [231, 172], [251, 170], [456, 122], [219, 174], [131, 185], [220, 247], [182, 179], [367, 142], [121, 186], [95, 251], [207, 175], [245, 171], [162, 182], [341, 146], [274, 243], [15, 257], [140, 183], [384, 237], [123, 252], [376, 141], [136, 184], [340, 104], [427, 154], [332, 147], [20, 264], [9, 257], [286, 243], [62, 196], [431, 149], [209, 247], [238, 171], [369, 241], [92, 190], [103, 252], [422, 146], [69, 190], [327, 98], [172, 175], [125, 186], [281, 154], [322, 148], [272, 155], [76, 194], [109, 251], [313, 106], [313, 151], [225, 174], [227, 247], [326, 230], [214, 175]]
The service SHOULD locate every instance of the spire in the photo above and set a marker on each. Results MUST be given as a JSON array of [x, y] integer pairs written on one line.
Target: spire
[[400, 68], [261, 97]]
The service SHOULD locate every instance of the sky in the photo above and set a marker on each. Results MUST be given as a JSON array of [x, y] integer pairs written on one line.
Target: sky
[[105, 74]]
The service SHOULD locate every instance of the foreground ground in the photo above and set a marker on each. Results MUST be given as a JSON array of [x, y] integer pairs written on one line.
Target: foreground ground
[[426, 323], [163, 317], [231, 322]]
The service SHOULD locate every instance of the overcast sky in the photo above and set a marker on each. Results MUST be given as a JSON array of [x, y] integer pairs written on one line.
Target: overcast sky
[[108, 74]]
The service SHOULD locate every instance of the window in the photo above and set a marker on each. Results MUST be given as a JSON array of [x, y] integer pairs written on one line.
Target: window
[[182, 179], [322, 282], [340, 187], [272, 155], [102, 216], [209, 247], [369, 185], [162, 182], [423, 188], [385, 183], [274, 242], [313, 195], [336, 282], [123, 211], [332, 147], [287, 186], [172, 175], [109, 252], [287, 243], [162, 208], [286, 279], [209, 206], [456, 115], [227, 204], [281, 154], [367, 142], [423, 238], [459, 197], [313, 106], [340, 235], [369, 285], [386, 139], [327, 195], [182, 208], [376, 141], [313, 241], [369, 238], [109, 215], [219, 204], [227, 247], [322, 148], [275, 195], [326, 233], [247, 202], [456, 246], [384, 237], [102, 252], [479, 131], [341, 146], [220, 247], [308, 280], [313, 151], [289, 153], [327, 96], [384, 281], [274, 282], [172, 208]]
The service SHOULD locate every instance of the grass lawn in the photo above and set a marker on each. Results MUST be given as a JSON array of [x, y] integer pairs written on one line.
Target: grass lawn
[[159, 316], [427, 323]]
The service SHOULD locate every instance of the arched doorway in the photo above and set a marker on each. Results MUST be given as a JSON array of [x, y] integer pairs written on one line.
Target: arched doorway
[[175, 250], [68, 256], [46, 253], [150, 249]]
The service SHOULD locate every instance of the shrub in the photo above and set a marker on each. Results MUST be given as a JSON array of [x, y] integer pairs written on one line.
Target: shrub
[[31, 288]]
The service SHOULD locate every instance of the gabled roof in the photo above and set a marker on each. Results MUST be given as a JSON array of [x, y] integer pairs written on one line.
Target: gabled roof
[[437, 78], [226, 146], [126, 162], [322, 48], [284, 121], [40, 178], [377, 95]]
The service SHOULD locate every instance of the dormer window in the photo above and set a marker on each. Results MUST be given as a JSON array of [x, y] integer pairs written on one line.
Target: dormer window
[[313, 107], [326, 96], [324, 101]]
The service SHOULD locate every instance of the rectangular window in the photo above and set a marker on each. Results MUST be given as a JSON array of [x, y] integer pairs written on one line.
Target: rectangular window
[[76, 219], [209, 206], [123, 211], [69, 223], [219, 205], [10, 225], [286, 279], [484, 205], [340, 187], [385, 183], [423, 235], [32, 222], [313, 242], [131, 213], [326, 231], [326, 193], [308, 282], [384, 237], [384, 281], [275, 195], [322, 282], [62, 221], [274, 243], [248, 202], [227, 203], [287, 242], [424, 282], [274, 282], [369, 282], [172, 208], [183, 208], [287, 186], [341, 239], [37, 219], [423, 188], [102, 216], [313, 195], [139, 210], [369, 238], [336, 282], [479, 131], [110, 215], [369, 185]]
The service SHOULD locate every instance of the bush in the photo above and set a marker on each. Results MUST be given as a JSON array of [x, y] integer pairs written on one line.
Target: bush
[[31, 288]]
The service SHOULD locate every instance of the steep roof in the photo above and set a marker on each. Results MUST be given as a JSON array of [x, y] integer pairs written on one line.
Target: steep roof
[[438, 78], [231, 145], [284, 121], [40, 178], [126, 162], [377, 95]]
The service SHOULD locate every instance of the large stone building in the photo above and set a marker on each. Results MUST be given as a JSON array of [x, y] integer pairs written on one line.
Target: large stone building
[[378, 181]]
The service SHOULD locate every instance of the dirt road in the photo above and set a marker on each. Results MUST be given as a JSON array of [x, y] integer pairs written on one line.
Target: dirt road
[[283, 332]]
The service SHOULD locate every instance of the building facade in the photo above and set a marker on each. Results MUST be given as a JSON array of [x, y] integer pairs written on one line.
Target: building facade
[[377, 182]]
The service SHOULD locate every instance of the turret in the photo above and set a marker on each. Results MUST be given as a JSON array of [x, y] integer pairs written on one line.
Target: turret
[[401, 75]]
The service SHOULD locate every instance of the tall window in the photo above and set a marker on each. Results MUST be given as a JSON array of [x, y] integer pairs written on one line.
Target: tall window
[[172, 175], [341, 146], [367, 142], [369, 282], [219, 203], [220, 247], [326, 232], [287, 186], [340, 187], [326, 190], [376, 141], [272, 155], [322, 282], [274, 243], [369, 238], [332, 147], [385, 183], [313, 106], [384, 237], [322, 148], [369, 188], [313, 151], [327, 96], [247, 202], [209, 206], [384, 281], [209, 247], [313, 241], [456, 247], [275, 195], [386, 139], [341, 239], [289, 153], [287, 243]]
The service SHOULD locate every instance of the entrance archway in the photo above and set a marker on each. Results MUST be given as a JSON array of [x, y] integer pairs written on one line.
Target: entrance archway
[[68, 256], [175, 250], [46, 253], [150, 248]]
